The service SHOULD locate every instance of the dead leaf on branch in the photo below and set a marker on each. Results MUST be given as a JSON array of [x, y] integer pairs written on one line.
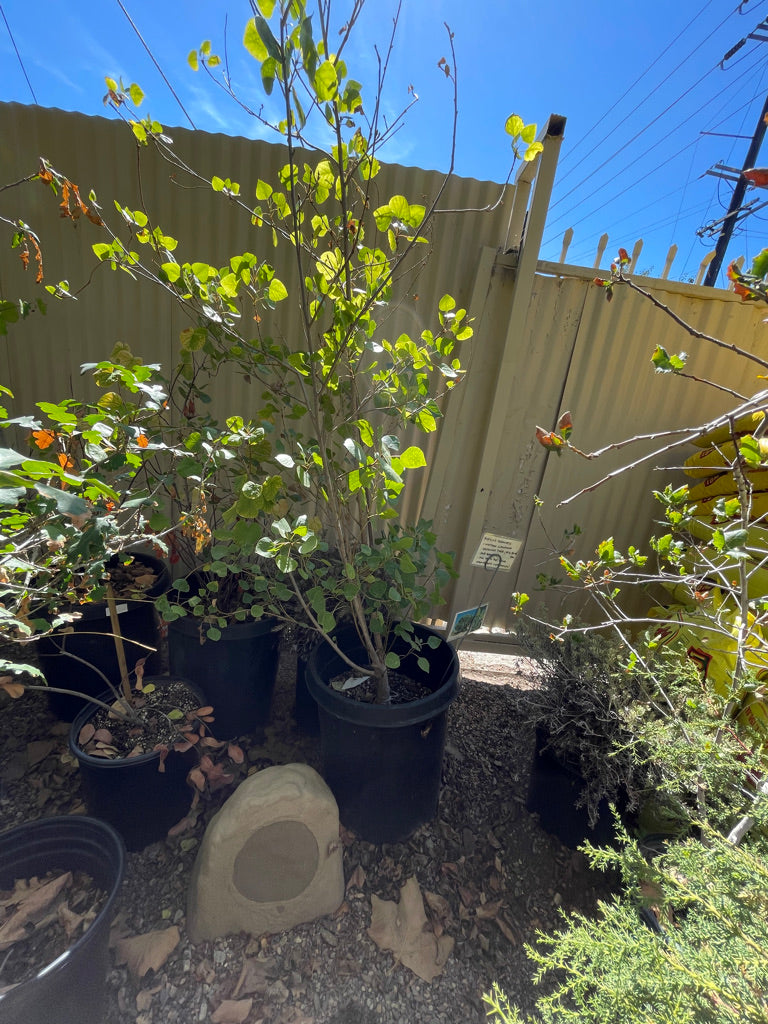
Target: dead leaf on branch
[[402, 928], [148, 952]]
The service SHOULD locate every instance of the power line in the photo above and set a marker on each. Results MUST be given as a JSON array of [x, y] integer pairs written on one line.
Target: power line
[[696, 113], [640, 104], [627, 91], [660, 141], [637, 181], [18, 56], [152, 58]]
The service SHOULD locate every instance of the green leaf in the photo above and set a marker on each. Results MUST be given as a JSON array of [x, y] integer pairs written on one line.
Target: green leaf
[[266, 7], [326, 82], [263, 190], [277, 290], [265, 33], [66, 502], [760, 264], [253, 43], [446, 303], [136, 94], [514, 125], [392, 660], [193, 61], [413, 458]]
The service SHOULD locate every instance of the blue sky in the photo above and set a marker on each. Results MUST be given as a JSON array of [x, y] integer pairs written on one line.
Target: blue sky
[[638, 83]]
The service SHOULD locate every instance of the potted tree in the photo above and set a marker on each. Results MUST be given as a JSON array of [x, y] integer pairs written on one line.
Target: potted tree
[[341, 401], [212, 525]]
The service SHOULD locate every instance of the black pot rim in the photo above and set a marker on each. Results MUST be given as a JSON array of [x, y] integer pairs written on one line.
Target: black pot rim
[[385, 716], [89, 710], [73, 826], [99, 609], [190, 626]]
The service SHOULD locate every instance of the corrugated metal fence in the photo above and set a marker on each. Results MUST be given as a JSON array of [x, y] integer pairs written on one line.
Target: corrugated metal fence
[[545, 339]]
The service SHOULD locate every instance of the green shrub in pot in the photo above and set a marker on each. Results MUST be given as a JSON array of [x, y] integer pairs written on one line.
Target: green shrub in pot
[[342, 401]]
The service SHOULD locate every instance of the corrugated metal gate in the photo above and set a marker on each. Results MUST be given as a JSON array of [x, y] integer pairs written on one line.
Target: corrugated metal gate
[[545, 339]]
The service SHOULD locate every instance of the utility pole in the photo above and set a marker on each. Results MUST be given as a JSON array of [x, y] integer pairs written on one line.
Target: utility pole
[[737, 198]]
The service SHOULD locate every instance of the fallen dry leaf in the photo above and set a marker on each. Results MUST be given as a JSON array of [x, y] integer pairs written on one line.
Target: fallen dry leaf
[[357, 878], [402, 927], [144, 997], [232, 1011], [488, 911], [147, 952], [255, 976], [33, 905], [38, 750]]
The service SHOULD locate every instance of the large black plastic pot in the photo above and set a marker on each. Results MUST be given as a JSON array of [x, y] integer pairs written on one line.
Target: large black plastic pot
[[92, 641], [236, 673], [383, 763], [131, 793], [555, 791], [71, 989]]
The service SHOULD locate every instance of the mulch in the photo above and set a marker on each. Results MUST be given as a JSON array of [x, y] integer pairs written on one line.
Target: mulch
[[490, 877]]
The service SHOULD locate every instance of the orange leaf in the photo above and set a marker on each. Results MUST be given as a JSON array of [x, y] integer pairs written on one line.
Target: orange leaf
[[64, 461], [45, 174], [757, 176], [43, 438], [142, 440]]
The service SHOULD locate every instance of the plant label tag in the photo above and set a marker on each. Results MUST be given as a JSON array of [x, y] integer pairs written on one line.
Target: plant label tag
[[119, 608], [467, 621], [496, 552]]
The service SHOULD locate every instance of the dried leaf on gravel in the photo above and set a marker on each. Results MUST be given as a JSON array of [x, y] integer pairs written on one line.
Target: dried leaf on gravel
[[144, 997], [402, 927], [148, 952], [356, 879], [38, 750], [232, 1011], [255, 976]]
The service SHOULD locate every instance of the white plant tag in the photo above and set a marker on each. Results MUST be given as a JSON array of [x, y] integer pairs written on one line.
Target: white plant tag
[[120, 608]]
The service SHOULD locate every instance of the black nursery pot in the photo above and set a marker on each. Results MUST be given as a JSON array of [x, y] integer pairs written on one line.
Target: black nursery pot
[[553, 793], [71, 989], [92, 641], [131, 793], [236, 672], [383, 763]]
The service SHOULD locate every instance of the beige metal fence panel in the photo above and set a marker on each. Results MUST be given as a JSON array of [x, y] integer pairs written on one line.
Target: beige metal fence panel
[[41, 358], [582, 354]]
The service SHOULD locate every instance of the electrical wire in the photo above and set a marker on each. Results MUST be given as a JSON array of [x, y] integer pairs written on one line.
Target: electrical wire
[[18, 55], [637, 181], [152, 58], [697, 113], [623, 96]]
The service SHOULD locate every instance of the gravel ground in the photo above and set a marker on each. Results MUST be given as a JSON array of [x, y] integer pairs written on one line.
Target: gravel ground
[[490, 877]]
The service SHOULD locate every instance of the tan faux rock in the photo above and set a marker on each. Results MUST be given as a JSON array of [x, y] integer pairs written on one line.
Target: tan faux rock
[[270, 859]]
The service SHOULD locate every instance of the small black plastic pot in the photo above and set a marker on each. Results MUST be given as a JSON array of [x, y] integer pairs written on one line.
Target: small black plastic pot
[[555, 789], [383, 763], [91, 640], [236, 672], [131, 793], [71, 989]]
